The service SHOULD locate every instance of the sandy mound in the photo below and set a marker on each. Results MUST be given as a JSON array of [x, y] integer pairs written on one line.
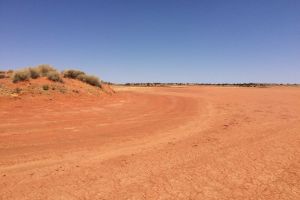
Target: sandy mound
[[42, 86]]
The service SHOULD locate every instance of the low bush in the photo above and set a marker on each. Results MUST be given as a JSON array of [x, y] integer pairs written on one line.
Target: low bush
[[91, 80], [54, 76], [34, 72], [82, 77], [21, 75], [71, 73], [44, 69]]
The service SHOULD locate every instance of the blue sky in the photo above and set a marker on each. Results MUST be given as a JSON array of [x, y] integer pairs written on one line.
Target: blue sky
[[156, 41]]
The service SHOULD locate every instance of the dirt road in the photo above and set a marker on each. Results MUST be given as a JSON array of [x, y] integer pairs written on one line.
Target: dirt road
[[153, 143]]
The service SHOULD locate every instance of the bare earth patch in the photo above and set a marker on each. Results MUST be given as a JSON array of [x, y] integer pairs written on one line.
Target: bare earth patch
[[153, 143]]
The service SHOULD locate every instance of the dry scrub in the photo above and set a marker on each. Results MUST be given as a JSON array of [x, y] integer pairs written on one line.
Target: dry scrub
[[21, 75], [52, 74], [71, 73], [79, 75], [35, 72]]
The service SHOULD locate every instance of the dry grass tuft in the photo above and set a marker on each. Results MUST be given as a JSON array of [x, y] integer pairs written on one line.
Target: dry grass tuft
[[45, 87], [71, 73], [21, 75], [54, 76], [44, 69], [91, 80], [34, 72]]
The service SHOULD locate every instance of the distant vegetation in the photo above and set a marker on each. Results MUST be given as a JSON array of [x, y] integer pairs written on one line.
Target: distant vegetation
[[157, 84], [50, 73], [54, 75]]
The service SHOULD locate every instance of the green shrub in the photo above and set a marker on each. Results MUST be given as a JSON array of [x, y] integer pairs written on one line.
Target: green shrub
[[54, 76], [21, 75], [44, 69], [34, 72], [92, 80], [72, 73]]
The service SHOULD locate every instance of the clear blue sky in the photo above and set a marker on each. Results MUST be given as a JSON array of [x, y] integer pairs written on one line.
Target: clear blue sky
[[149, 41]]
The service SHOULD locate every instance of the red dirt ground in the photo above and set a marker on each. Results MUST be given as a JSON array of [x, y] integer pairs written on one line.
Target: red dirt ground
[[153, 143]]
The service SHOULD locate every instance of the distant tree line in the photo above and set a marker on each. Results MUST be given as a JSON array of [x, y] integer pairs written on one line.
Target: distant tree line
[[158, 84]]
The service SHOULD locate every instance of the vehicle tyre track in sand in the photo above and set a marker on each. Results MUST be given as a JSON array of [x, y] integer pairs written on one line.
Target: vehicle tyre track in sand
[[155, 143]]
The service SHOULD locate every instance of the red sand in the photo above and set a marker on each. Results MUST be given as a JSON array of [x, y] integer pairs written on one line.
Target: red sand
[[153, 143]]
